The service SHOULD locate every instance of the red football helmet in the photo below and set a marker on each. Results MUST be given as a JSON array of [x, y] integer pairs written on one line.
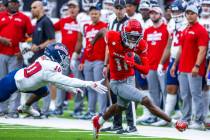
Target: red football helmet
[[131, 33]]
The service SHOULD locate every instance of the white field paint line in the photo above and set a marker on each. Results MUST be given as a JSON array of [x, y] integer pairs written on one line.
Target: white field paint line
[[75, 131], [68, 124], [139, 137]]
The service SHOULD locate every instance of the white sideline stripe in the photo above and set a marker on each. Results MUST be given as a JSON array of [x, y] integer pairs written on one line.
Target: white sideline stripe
[[139, 138], [75, 131]]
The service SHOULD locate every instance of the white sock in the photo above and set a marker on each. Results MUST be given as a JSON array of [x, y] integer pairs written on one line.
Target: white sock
[[52, 105], [101, 121], [173, 121], [170, 103]]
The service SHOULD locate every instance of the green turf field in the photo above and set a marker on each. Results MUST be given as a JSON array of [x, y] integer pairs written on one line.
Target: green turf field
[[18, 132]]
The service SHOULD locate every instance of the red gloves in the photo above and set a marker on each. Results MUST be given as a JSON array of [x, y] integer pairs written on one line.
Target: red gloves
[[143, 69]]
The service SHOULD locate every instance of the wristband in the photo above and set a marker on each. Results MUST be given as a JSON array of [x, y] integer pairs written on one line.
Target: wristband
[[197, 66]]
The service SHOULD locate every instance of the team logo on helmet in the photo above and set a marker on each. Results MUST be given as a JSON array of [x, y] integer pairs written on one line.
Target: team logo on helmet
[[57, 52]]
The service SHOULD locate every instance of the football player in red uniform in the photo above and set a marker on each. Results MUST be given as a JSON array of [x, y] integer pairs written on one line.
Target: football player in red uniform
[[122, 47]]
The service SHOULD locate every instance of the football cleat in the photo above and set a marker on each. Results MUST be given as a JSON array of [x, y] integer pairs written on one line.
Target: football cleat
[[181, 125], [96, 126], [197, 126], [28, 110]]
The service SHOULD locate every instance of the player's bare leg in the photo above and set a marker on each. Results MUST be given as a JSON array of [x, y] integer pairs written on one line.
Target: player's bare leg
[[155, 110], [116, 109]]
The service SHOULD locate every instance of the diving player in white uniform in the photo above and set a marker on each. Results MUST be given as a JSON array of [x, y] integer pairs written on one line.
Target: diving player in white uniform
[[46, 69]]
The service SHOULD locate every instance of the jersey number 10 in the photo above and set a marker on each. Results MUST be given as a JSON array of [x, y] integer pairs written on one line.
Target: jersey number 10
[[32, 69]]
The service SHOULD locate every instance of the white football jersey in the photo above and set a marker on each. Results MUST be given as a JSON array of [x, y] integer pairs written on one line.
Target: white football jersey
[[106, 15], [42, 72], [138, 17], [175, 30], [83, 19]]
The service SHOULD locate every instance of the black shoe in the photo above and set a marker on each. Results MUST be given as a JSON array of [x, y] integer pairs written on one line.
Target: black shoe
[[88, 116], [77, 115], [42, 116], [13, 115], [111, 128], [130, 129], [58, 111], [2, 114]]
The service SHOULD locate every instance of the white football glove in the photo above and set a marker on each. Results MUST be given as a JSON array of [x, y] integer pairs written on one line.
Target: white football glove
[[73, 63], [97, 86], [160, 70]]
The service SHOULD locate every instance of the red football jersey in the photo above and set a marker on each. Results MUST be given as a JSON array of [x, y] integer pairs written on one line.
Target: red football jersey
[[14, 27], [119, 69], [96, 52], [157, 39], [69, 31], [193, 37]]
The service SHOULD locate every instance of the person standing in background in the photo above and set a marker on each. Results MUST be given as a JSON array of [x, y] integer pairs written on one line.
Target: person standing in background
[[69, 32], [14, 28], [157, 38], [43, 35], [191, 61], [92, 62]]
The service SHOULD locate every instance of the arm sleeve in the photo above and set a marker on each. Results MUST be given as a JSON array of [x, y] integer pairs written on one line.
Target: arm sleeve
[[49, 29], [57, 26], [203, 38], [63, 81], [66, 88], [144, 66]]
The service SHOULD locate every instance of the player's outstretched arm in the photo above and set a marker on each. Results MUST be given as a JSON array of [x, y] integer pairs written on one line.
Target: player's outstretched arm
[[65, 82]]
